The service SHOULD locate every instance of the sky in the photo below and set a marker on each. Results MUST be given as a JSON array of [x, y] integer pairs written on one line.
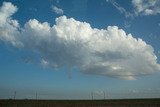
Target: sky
[[73, 49]]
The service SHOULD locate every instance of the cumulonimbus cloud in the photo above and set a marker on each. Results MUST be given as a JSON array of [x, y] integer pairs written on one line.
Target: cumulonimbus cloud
[[107, 52]]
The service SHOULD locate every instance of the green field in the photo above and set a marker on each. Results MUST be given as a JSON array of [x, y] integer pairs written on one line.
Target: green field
[[82, 103]]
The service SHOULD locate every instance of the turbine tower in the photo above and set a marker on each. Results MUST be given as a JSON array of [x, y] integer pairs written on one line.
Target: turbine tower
[[36, 96], [92, 95], [104, 95], [15, 95]]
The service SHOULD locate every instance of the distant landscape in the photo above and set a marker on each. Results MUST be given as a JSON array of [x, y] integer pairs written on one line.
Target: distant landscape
[[82, 103]]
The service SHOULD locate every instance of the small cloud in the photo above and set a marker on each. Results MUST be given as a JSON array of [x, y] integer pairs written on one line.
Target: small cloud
[[57, 10], [44, 63], [158, 24], [146, 7]]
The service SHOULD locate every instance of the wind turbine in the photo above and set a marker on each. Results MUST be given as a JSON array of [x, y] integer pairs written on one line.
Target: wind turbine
[[14, 95], [92, 95], [36, 96], [104, 95]]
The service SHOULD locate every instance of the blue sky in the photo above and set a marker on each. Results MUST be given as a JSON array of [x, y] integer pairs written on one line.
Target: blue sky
[[57, 49]]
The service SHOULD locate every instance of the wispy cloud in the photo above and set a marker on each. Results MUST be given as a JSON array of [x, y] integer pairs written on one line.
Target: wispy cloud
[[127, 24], [57, 10], [71, 43], [146, 7], [120, 9], [140, 7]]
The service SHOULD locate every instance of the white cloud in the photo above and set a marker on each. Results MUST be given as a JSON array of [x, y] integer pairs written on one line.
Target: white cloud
[[107, 52], [141, 7], [146, 7], [8, 26], [57, 10], [44, 63]]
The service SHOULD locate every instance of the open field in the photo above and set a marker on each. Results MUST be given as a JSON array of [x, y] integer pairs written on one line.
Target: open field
[[82, 103]]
